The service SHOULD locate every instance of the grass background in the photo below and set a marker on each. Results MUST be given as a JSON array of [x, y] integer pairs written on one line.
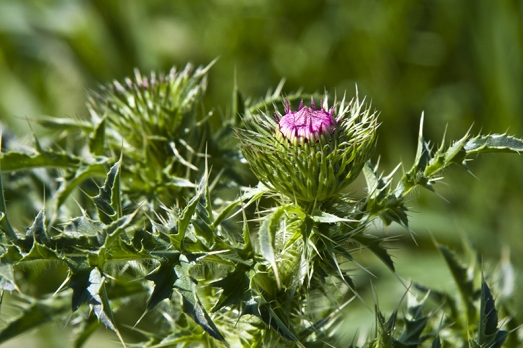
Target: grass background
[[459, 62]]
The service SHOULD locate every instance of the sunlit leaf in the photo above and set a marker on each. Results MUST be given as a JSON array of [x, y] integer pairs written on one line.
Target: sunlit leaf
[[99, 301], [268, 229]]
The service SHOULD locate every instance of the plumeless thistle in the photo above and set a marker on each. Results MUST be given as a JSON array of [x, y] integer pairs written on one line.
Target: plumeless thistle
[[206, 269], [311, 154]]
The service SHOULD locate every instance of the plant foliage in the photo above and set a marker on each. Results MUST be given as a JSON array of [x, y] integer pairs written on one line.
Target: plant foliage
[[154, 212]]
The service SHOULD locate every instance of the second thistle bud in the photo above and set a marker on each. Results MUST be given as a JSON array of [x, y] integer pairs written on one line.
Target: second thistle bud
[[310, 154]]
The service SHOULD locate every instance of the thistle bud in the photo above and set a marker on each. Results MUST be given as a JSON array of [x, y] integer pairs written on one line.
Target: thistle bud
[[306, 124], [311, 154]]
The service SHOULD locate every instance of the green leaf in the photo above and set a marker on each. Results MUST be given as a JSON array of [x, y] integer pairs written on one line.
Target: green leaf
[[99, 301], [38, 230], [444, 298], [164, 278], [253, 194], [192, 305], [268, 229], [5, 226], [257, 307], [83, 227], [16, 161], [85, 171], [238, 103], [79, 282], [108, 199], [463, 280], [423, 153], [203, 225], [374, 244], [113, 246], [187, 213], [97, 139], [7, 280], [66, 123], [384, 338], [414, 323], [235, 288], [488, 334], [493, 143], [382, 201], [40, 252], [323, 217], [248, 248], [11, 254]]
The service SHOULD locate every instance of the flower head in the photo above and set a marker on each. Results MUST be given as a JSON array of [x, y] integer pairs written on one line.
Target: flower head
[[311, 154], [306, 124]]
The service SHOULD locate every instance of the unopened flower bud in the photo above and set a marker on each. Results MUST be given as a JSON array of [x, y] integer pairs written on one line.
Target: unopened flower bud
[[306, 124], [310, 154]]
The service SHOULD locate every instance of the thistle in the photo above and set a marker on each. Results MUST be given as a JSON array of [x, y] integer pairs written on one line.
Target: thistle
[[311, 154], [154, 121]]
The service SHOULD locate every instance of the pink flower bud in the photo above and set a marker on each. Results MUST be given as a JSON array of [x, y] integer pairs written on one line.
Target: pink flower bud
[[306, 124]]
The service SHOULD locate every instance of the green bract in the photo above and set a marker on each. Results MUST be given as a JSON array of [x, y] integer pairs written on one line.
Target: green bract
[[310, 167]]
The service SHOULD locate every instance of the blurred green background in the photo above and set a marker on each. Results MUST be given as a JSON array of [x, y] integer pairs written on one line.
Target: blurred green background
[[459, 62]]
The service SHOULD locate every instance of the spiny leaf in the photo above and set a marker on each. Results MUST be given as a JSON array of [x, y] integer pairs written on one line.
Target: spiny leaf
[[83, 226], [163, 278], [79, 282], [238, 103], [252, 195], [203, 225], [97, 139], [38, 230], [16, 161], [7, 280], [248, 249], [100, 302], [423, 153], [324, 217], [268, 229], [40, 252], [374, 244], [108, 199], [64, 123], [192, 305], [463, 280], [187, 213], [145, 241], [262, 310], [415, 323], [85, 171], [442, 297], [384, 338], [110, 236], [5, 226], [493, 143], [235, 288], [382, 201], [488, 334]]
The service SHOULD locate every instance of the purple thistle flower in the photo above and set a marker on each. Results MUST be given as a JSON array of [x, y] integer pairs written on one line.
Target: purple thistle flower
[[311, 154], [306, 124]]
